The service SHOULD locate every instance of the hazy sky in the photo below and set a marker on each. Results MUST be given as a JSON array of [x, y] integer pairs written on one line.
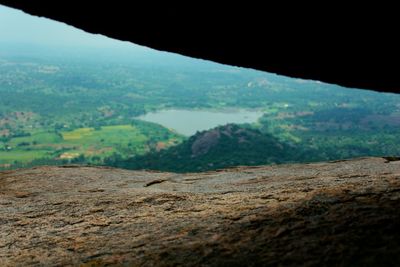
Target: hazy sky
[[22, 33], [19, 27]]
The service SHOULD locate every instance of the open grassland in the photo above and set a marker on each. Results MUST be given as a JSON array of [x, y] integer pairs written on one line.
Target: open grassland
[[97, 143], [21, 155], [107, 135]]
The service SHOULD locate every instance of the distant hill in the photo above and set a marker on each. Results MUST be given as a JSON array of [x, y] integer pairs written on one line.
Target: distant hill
[[67, 96], [221, 147]]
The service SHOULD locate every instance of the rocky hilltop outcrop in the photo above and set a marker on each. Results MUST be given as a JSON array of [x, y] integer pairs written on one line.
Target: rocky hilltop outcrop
[[343, 213], [217, 148]]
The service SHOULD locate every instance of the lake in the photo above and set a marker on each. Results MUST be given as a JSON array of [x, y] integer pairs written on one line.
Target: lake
[[187, 122]]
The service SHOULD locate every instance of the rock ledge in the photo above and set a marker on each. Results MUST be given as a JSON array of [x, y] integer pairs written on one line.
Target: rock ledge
[[343, 213]]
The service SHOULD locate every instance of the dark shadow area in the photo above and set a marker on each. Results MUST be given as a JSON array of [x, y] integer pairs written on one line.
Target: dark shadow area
[[336, 43], [329, 229]]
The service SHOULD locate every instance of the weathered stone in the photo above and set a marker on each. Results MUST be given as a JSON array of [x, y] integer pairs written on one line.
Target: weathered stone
[[340, 213]]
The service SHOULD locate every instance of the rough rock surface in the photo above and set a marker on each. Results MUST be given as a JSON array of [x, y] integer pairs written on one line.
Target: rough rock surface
[[342, 213]]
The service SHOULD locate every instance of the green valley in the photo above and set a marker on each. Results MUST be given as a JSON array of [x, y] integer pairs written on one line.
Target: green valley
[[56, 111], [85, 103], [85, 145]]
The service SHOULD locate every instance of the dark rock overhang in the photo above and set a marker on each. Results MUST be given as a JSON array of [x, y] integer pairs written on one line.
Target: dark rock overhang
[[353, 47]]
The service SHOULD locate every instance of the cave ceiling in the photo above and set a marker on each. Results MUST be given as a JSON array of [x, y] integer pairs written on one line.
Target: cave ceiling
[[354, 47]]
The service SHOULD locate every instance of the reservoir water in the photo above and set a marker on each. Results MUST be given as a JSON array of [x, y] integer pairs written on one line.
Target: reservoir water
[[187, 122]]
